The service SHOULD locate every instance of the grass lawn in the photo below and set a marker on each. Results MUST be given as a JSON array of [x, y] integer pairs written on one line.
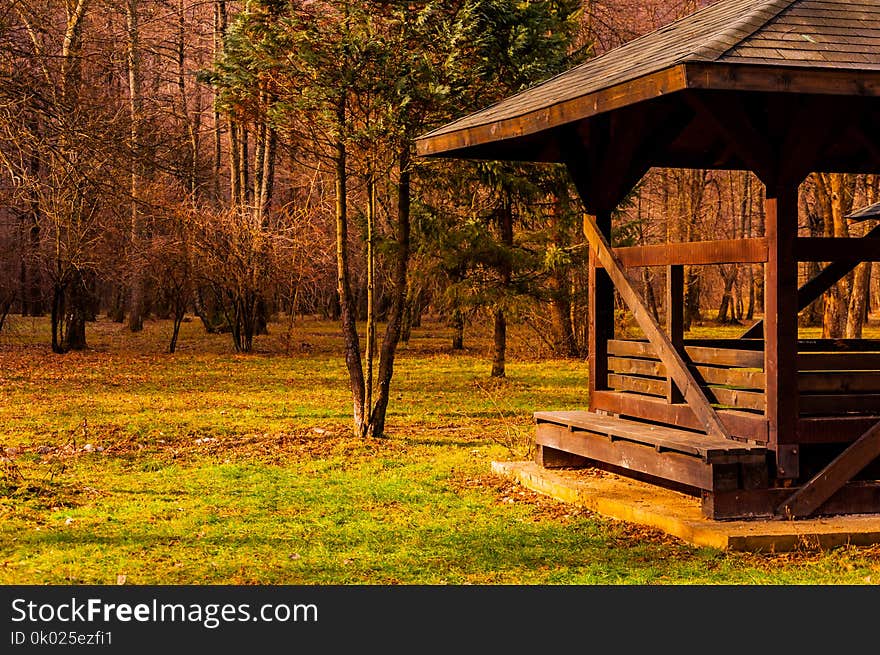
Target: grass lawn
[[127, 464]]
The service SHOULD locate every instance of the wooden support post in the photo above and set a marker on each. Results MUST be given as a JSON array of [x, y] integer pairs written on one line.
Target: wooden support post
[[780, 326], [601, 319], [833, 477], [674, 323], [672, 360]]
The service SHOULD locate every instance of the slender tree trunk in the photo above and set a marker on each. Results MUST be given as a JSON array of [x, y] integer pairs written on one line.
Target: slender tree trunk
[[347, 310], [499, 342], [457, 323], [835, 193], [505, 226], [219, 34], [398, 295], [136, 265]]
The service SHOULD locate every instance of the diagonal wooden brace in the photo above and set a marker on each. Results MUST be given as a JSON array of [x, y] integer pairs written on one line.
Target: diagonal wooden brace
[[833, 477], [811, 290], [675, 365]]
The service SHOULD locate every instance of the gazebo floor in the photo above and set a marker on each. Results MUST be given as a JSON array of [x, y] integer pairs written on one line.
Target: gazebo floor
[[732, 479]]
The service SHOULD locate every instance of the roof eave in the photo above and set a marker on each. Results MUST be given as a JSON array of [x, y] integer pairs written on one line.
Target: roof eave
[[722, 76]]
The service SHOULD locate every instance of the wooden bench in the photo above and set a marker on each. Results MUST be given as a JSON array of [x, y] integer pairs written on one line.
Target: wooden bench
[[700, 463]]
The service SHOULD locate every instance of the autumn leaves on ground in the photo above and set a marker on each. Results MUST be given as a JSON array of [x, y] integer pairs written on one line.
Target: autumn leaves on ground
[[123, 464]]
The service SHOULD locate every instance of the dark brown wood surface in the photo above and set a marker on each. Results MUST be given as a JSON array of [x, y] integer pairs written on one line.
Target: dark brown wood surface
[[780, 324]]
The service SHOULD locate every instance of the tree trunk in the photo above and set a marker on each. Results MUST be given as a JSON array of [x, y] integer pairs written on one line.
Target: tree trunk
[[499, 343], [219, 33], [504, 217], [457, 323], [347, 311], [136, 265], [835, 195], [858, 301], [398, 296]]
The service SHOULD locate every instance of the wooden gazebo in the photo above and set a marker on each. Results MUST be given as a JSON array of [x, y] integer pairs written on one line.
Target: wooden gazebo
[[768, 424]]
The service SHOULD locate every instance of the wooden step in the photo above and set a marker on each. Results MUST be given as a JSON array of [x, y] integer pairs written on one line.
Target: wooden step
[[661, 438]]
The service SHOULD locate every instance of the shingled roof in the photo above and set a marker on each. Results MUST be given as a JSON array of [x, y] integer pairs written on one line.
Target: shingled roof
[[828, 35]]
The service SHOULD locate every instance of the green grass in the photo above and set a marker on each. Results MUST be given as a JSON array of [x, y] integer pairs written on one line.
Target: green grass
[[211, 468]]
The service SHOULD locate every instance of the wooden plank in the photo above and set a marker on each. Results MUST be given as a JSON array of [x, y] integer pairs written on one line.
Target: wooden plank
[[736, 251], [834, 429], [674, 323], [742, 425], [839, 361], [809, 292], [837, 249], [833, 477], [740, 378], [839, 403], [735, 398], [638, 385], [839, 382], [696, 354], [781, 329], [660, 437], [675, 365], [725, 357]]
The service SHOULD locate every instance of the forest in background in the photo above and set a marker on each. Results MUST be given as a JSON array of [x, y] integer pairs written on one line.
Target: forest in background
[[241, 161]]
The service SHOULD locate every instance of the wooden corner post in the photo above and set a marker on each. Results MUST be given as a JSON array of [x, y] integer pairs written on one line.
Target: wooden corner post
[[780, 326]]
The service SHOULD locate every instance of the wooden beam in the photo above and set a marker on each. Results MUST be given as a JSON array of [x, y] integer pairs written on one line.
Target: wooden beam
[[674, 323], [697, 253], [781, 329], [782, 79], [670, 357], [814, 288], [837, 249], [833, 477], [601, 320]]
